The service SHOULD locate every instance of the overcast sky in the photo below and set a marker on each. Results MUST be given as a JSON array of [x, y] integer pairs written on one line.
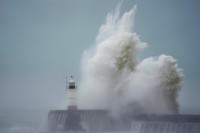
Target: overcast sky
[[41, 41]]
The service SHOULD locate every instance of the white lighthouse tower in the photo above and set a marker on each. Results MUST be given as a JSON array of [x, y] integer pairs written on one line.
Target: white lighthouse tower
[[71, 94]]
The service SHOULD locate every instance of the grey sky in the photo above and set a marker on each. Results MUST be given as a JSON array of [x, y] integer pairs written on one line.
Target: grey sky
[[41, 41]]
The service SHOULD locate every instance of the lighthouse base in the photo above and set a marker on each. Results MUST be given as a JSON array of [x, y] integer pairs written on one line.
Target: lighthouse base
[[72, 107]]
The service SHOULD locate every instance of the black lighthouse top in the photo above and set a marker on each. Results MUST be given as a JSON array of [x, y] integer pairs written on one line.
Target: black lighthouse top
[[72, 84]]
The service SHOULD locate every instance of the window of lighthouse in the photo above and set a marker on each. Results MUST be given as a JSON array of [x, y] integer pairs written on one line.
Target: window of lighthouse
[[71, 85]]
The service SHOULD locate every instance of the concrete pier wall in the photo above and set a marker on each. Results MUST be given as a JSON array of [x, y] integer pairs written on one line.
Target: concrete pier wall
[[102, 121]]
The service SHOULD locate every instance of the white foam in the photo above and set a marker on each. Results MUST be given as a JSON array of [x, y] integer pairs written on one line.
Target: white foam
[[114, 78]]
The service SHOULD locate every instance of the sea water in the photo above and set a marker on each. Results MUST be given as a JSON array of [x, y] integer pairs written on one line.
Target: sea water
[[22, 121]]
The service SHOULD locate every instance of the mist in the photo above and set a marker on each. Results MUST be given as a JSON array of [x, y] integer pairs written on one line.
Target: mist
[[114, 78]]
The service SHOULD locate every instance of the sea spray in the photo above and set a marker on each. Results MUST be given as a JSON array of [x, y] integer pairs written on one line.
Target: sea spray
[[114, 78]]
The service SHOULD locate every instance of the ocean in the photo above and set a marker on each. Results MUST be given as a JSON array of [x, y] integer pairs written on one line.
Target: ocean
[[23, 121]]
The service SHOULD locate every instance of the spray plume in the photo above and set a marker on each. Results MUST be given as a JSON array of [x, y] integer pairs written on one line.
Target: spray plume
[[114, 78]]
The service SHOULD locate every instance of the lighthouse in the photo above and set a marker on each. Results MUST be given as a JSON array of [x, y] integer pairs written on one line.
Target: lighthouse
[[71, 94]]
